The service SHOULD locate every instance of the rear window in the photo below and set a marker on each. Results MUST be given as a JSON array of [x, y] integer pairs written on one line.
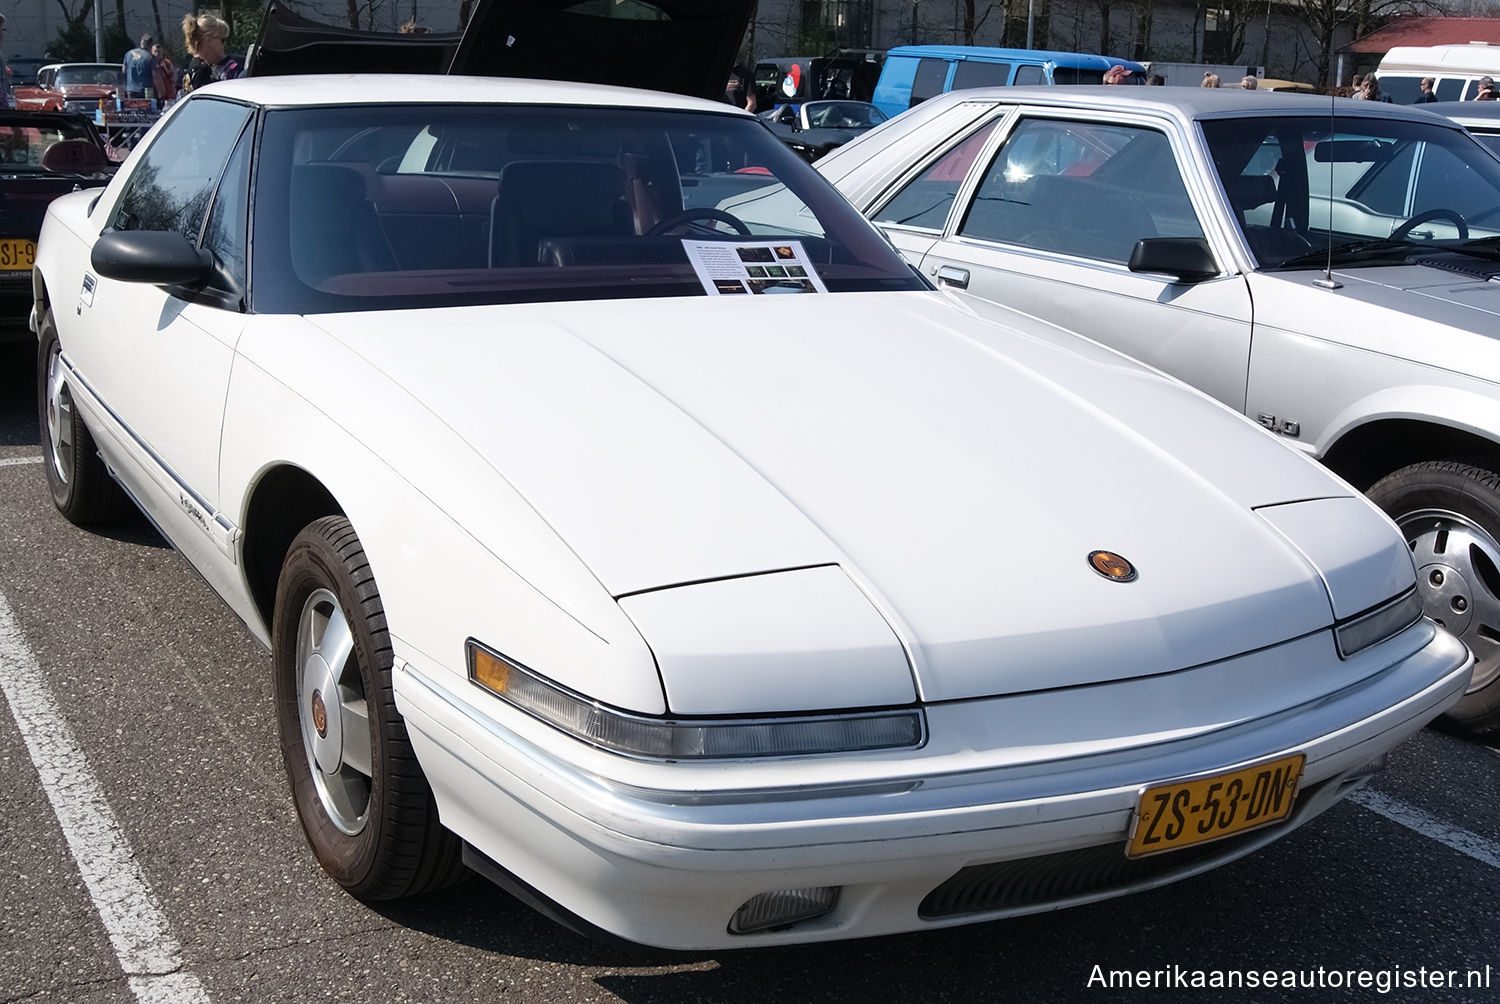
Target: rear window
[[436, 205]]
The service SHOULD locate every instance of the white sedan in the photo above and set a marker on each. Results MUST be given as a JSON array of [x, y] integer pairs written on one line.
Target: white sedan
[[702, 576]]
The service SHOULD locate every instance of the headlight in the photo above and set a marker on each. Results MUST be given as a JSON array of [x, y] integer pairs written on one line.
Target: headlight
[[690, 738], [1364, 630]]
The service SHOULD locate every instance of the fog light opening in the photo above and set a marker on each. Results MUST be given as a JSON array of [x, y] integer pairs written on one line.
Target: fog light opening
[[771, 910]]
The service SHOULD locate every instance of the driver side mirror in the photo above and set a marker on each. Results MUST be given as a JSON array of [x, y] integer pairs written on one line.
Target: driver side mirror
[[158, 257], [1187, 259]]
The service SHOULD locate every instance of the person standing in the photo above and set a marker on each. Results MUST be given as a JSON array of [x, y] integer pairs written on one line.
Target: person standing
[[140, 69], [204, 36], [165, 75], [1427, 84], [1249, 83]]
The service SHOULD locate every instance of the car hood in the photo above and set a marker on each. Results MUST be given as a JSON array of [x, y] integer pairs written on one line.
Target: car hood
[[959, 471], [678, 46], [1445, 313]]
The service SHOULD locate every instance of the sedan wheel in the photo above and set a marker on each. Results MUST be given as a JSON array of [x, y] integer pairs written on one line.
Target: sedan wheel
[[81, 486], [1449, 514], [365, 806]]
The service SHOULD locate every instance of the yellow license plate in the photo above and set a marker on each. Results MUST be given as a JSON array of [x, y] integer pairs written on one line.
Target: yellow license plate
[[16, 255], [1179, 814]]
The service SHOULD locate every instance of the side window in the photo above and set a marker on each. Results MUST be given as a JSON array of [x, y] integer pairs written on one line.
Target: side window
[[175, 181], [1085, 189], [976, 73], [932, 74], [1450, 88], [1029, 73], [925, 200], [227, 232]]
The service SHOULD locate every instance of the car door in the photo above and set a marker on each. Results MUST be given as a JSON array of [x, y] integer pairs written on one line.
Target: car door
[[159, 358], [1047, 220]]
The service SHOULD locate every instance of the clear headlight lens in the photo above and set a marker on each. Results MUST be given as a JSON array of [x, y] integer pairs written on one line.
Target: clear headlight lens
[[1377, 625], [690, 738]]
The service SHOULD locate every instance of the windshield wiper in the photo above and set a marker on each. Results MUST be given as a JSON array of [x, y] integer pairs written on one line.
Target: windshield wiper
[[1351, 253], [1481, 247]]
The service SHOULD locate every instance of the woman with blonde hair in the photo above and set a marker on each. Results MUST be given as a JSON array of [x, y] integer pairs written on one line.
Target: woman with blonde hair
[[1210, 80], [204, 36]]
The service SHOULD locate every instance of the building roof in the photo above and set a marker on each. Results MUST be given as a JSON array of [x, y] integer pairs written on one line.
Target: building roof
[[1427, 31]]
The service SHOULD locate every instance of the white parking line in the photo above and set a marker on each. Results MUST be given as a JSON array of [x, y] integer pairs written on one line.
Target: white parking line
[[1428, 825], [13, 461], [144, 943]]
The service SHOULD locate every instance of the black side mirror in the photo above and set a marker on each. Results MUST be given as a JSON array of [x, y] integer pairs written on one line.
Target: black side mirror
[[158, 257], [1187, 259]]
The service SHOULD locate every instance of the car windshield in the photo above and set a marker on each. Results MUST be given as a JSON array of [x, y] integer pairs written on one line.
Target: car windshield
[[1305, 188], [843, 115], [106, 75], [438, 205], [25, 139]]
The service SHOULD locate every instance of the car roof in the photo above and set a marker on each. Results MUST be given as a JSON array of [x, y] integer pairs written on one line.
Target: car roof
[[321, 90], [1479, 112], [1183, 102], [1081, 60]]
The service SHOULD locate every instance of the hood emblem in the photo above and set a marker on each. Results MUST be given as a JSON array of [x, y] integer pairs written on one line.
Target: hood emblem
[[1112, 566]]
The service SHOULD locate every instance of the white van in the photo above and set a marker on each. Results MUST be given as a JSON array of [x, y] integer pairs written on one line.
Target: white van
[[1456, 68]]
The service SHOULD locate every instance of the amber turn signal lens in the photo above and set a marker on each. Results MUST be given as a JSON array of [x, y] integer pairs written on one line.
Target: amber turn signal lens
[[489, 672]]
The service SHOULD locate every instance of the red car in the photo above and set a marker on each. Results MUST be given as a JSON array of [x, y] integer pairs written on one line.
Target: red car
[[73, 87]]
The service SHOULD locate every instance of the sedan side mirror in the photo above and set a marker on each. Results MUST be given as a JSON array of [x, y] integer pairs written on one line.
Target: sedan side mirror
[[158, 257], [1187, 259]]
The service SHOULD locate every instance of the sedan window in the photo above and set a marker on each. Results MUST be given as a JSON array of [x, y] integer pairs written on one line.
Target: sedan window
[[1080, 188], [924, 202], [172, 186], [1302, 187]]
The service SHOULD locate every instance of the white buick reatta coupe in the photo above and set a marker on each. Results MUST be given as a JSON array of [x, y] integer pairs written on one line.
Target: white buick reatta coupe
[[701, 576]]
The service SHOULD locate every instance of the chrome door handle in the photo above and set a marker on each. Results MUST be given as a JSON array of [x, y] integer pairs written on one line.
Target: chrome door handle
[[955, 277]]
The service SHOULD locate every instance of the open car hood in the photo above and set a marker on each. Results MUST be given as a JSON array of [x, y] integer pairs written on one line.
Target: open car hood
[[680, 46]]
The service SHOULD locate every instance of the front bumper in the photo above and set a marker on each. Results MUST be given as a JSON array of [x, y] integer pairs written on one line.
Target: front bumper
[[664, 854]]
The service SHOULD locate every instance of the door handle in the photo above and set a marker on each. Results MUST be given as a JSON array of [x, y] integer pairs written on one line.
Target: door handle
[[958, 278]]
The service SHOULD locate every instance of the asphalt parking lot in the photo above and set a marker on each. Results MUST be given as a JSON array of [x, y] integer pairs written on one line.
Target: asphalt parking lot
[[149, 850]]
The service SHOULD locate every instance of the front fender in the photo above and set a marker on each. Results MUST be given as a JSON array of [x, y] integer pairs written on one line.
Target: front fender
[[455, 551]]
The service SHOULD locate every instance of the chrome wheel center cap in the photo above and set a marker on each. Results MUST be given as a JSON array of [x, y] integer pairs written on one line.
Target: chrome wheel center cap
[[322, 718]]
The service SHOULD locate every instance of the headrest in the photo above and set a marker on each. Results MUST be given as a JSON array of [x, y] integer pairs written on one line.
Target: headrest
[[72, 155]]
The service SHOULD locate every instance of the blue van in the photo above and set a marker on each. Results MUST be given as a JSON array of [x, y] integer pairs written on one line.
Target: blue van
[[914, 73]]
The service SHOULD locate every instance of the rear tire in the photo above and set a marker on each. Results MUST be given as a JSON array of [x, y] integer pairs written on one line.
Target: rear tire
[[81, 485], [366, 808], [1449, 513]]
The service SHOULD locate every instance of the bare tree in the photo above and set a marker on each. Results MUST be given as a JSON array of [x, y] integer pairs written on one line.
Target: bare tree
[[1324, 19]]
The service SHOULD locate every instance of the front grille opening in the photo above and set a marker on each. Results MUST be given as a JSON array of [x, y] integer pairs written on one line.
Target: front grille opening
[[1068, 875]]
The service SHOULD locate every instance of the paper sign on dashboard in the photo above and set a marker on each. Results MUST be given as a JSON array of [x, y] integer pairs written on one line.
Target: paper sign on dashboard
[[753, 267]]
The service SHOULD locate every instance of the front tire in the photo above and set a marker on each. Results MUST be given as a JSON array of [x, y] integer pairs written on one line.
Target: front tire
[[366, 808], [81, 485], [1449, 513]]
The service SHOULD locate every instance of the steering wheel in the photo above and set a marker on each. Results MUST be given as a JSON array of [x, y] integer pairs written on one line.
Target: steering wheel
[[1405, 229], [705, 213]]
